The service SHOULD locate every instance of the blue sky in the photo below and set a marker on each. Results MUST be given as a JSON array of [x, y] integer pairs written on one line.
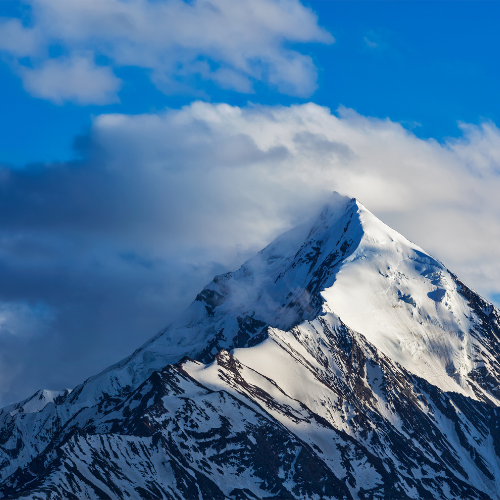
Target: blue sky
[[148, 145], [427, 66]]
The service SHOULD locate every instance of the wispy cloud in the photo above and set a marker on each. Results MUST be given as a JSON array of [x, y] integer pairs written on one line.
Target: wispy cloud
[[370, 43], [231, 43], [375, 40]]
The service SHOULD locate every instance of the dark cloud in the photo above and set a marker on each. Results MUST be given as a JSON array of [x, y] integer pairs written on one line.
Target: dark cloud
[[112, 246]]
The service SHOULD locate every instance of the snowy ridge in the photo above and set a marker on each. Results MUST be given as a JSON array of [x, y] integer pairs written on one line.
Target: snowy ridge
[[409, 306], [342, 361], [37, 402]]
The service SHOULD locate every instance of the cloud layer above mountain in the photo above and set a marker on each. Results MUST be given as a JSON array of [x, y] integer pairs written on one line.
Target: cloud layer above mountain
[[67, 50], [98, 254]]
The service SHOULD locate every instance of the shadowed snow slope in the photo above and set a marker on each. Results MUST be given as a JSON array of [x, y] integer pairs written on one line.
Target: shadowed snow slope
[[360, 364]]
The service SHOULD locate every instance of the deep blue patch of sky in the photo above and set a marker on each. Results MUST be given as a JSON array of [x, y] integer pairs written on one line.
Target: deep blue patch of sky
[[427, 65]]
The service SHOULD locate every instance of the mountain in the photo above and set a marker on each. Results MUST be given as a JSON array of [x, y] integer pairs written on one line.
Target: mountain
[[342, 361]]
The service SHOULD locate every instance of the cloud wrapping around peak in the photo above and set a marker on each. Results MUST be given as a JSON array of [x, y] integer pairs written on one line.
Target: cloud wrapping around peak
[[233, 43], [116, 244]]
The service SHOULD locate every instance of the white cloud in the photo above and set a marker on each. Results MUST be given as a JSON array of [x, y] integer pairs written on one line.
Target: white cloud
[[18, 40], [270, 164], [231, 42], [77, 79]]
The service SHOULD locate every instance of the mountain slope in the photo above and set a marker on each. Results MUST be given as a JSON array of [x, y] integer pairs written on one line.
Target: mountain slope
[[369, 369]]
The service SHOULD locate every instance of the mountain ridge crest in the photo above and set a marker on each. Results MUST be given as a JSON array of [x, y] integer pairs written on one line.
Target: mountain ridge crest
[[341, 338]]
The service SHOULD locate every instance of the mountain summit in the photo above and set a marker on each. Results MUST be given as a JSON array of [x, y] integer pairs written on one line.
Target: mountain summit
[[342, 361]]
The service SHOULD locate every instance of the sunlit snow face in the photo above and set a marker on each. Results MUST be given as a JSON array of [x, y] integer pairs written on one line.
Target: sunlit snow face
[[407, 304]]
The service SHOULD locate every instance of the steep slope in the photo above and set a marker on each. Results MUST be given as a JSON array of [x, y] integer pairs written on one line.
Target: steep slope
[[315, 412], [174, 438], [327, 383], [279, 287], [344, 340], [405, 302], [415, 311], [379, 283]]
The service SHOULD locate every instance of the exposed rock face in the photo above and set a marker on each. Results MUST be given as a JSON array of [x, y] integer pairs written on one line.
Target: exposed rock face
[[340, 362]]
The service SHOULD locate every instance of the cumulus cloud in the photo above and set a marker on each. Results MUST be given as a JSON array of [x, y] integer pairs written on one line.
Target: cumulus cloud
[[233, 43], [17, 40], [77, 79], [441, 195], [114, 245]]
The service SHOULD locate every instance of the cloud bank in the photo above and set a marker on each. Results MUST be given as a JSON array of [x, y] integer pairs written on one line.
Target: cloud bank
[[63, 45], [98, 254]]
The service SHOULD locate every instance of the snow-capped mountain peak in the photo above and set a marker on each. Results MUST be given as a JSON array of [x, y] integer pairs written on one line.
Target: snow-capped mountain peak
[[359, 364], [344, 261], [408, 305]]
